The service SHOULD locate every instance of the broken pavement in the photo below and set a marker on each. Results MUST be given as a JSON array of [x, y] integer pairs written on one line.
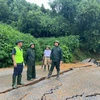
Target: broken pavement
[[77, 82]]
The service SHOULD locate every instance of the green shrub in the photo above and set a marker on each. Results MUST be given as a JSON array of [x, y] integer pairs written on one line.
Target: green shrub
[[68, 44], [67, 55], [8, 37]]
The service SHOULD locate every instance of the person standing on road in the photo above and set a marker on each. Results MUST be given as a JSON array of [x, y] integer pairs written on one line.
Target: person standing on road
[[42, 61], [30, 60], [18, 61], [56, 59], [47, 53]]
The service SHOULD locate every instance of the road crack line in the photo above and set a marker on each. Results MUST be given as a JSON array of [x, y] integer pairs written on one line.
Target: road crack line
[[83, 95], [41, 79], [50, 92]]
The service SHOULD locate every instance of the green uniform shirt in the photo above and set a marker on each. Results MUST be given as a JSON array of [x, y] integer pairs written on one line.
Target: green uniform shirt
[[30, 54], [56, 54]]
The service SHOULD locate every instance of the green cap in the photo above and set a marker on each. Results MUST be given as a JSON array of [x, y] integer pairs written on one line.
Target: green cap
[[56, 41], [48, 46], [18, 41], [32, 44]]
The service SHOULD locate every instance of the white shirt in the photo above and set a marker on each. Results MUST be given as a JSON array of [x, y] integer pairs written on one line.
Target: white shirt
[[47, 53]]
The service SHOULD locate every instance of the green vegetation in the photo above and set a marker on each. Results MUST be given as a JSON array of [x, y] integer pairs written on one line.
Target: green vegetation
[[66, 17], [75, 23], [8, 37], [68, 44]]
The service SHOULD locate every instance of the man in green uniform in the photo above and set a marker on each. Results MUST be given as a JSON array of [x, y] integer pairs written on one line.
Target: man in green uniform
[[56, 59], [30, 60], [18, 61]]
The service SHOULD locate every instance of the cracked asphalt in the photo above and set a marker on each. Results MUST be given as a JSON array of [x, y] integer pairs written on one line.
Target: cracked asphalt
[[81, 83]]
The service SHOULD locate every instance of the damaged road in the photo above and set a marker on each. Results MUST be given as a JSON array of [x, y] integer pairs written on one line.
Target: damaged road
[[77, 83]]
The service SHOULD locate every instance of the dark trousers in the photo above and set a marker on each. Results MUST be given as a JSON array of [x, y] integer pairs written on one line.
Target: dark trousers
[[31, 71], [55, 64], [18, 70]]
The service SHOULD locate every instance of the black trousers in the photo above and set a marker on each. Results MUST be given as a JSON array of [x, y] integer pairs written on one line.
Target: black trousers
[[55, 64]]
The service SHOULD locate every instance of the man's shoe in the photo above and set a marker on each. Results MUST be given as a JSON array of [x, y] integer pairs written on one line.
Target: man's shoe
[[29, 79], [19, 78], [14, 82], [58, 75], [14, 86], [20, 83], [57, 78], [49, 76]]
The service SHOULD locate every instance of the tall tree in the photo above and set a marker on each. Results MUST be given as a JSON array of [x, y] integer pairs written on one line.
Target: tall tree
[[4, 11], [89, 24]]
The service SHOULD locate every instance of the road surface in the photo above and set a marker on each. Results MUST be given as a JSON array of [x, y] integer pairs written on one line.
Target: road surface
[[77, 82]]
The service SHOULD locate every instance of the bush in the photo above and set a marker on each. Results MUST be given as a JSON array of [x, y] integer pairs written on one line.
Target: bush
[[8, 37], [67, 55], [68, 44]]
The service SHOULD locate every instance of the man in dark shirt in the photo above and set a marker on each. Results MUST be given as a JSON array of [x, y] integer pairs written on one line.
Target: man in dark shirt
[[30, 60], [18, 60], [56, 59]]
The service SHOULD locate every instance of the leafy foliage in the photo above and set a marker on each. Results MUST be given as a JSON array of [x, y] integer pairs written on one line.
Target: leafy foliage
[[7, 42], [67, 55], [8, 39], [68, 44], [72, 22]]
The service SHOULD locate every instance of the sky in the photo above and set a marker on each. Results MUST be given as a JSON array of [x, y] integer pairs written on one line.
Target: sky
[[39, 2]]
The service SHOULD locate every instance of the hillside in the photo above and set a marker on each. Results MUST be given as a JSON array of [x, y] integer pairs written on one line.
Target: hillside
[[75, 23]]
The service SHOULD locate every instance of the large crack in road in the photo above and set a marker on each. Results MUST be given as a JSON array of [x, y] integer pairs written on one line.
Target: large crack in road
[[83, 96], [36, 81], [50, 92], [67, 87], [41, 79]]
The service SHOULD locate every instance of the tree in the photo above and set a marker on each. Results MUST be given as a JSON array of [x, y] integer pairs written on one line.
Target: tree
[[89, 25], [4, 11], [67, 8]]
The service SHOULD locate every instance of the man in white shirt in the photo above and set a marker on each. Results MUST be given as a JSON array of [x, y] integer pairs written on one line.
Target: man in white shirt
[[47, 54]]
